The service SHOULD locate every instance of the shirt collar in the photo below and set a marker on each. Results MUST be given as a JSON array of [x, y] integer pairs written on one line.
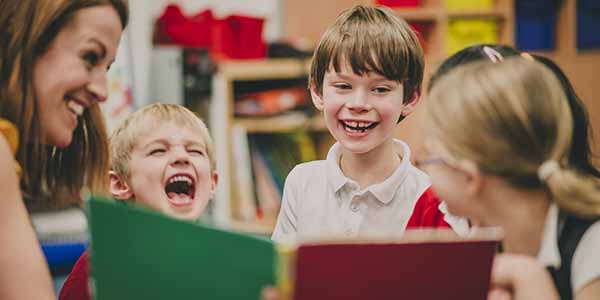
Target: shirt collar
[[384, 191], [549, 254]]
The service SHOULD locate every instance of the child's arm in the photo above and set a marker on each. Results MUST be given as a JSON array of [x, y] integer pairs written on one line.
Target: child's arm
[[285, 228], [521, 277], [23, 270]]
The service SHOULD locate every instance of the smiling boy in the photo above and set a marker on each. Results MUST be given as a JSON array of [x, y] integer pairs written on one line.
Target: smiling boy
[[365, 77]]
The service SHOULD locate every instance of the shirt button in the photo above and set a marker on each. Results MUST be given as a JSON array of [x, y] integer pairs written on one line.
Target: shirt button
[[354, 207]]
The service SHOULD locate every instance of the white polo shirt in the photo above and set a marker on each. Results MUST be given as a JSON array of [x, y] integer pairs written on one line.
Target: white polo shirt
[[585, 265], [319, 200]]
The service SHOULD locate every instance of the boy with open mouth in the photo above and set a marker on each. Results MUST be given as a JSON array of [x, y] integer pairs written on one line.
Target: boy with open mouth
[[161, 158]]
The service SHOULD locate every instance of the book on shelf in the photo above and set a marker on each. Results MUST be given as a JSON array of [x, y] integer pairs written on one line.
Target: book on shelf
[[246, 204], [139, 254]]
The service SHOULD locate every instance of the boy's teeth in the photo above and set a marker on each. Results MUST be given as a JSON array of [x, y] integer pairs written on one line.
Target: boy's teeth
[[75, 107], [180, 178]]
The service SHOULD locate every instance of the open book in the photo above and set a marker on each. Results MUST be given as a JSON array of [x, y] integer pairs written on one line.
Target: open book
[[140, 254]]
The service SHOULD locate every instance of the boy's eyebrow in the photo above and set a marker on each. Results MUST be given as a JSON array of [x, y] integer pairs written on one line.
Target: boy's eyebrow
[[156, 141], [376, 77], [186, 142], [195, 143]]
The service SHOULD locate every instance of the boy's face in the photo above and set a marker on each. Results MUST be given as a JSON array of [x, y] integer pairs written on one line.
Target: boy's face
[[361, 111], [169, 171]]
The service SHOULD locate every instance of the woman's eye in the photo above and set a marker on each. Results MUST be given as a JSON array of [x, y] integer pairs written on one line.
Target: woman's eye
[[91, 58]]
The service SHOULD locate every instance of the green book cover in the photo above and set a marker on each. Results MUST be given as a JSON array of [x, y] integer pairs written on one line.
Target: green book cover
[[141, 254]]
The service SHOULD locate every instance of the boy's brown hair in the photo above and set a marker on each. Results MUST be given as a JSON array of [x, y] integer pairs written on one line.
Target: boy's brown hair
[[370, 39], [125, 137]]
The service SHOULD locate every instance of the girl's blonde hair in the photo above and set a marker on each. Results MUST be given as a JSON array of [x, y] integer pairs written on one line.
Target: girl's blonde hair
[[53, 177], [510, 118], [125, 137]]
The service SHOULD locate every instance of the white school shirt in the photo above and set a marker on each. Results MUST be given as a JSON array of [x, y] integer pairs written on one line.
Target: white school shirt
[[585, 265], [318, 200]]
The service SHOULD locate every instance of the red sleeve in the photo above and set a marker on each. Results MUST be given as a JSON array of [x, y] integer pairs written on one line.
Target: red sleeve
[[426, 213], [76, 286]]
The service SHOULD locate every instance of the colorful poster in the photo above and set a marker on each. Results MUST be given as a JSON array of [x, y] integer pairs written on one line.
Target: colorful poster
[[120, 88]]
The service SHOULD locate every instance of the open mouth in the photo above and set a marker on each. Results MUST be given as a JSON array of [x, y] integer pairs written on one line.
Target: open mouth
[[180, 189], [358, 127]]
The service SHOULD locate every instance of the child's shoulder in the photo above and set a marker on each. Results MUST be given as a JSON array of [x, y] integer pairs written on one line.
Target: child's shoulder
[[308, 171], [309, 168]]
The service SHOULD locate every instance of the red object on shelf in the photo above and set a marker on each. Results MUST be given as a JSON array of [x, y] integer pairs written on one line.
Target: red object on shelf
[[422, 30], [173, 28], [233, 37], [238, 37], [399, 3]]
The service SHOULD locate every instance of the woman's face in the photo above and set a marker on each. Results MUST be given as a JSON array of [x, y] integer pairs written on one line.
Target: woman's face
[[71, 75]]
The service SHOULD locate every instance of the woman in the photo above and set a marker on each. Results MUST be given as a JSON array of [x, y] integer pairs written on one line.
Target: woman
[[53, 63]]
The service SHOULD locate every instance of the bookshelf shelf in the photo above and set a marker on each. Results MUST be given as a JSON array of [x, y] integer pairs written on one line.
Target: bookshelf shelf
[[494, 13], [418, 14], [283, 123], [264, 69]]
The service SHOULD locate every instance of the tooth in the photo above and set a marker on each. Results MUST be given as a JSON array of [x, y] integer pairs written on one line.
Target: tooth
[[75, 107]]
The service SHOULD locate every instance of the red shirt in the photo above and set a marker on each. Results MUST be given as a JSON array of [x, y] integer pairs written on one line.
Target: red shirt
[[426, 213], [76, 286]]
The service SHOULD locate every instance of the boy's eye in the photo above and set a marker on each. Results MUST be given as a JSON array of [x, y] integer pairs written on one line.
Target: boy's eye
[[157, 151], [196, 152], [381, 89], [91, 58], [342, 86]]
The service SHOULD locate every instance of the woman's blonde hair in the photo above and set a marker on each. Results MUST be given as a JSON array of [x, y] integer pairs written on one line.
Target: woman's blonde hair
[[53, 177], [510, 118], [125, 137]]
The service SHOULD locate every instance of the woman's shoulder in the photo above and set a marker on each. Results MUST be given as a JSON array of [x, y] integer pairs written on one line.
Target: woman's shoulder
[[10, 133]]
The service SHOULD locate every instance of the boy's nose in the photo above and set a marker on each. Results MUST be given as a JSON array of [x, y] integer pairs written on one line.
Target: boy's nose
[[358, 102], [180, 157]]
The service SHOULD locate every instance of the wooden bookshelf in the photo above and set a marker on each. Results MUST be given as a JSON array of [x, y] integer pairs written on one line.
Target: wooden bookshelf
[[229, 203]]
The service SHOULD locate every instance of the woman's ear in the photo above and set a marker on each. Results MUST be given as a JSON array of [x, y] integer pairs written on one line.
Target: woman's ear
[[118, 187], [317, 98]]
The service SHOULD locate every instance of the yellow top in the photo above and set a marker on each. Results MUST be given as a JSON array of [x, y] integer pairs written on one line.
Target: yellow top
[[11, 133]]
